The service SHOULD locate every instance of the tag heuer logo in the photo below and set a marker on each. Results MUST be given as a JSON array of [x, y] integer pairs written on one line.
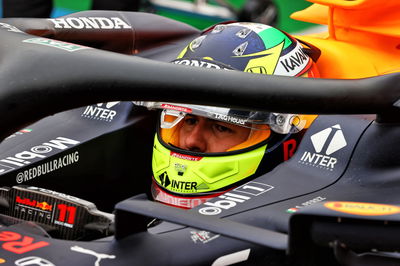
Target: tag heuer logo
[[337, 142], [325, 142]]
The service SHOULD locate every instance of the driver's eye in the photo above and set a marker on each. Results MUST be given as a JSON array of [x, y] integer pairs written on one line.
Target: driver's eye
[[189, 120], [222, 129]]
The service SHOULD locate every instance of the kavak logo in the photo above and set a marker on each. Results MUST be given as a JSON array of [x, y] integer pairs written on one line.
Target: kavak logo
[[325, 142]]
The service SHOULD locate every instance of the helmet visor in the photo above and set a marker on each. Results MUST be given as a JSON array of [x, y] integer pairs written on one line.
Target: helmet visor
[[280, 123]]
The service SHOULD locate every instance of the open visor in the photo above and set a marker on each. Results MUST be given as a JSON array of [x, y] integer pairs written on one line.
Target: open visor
[[280, 123]]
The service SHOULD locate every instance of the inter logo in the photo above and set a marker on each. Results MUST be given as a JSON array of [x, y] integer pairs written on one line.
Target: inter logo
[[325, 142]]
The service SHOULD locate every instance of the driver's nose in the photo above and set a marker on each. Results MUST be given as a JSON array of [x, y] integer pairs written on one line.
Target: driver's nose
[[196, 139]]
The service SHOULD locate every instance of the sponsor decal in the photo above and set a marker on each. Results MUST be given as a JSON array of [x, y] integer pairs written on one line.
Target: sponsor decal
[[21, 132], [33, 261], [176, 108], [99, 256], [305, 204], [101, 112], [25, 211], [66, 215], [90, 23], [264, 62], [202, 236], [257, 70], [9, 27], [47, 167], [43, 211], [363, 209], [4, 169], [293, 63], [181, 185], [33, 203], [199, 63], [289, 147], [18, 243], [164, 179], [185, 157], [176, 185], [70, 47], [325, 143], [180, 168], [183, 202], [38, 152], [230, 119], [231, 199]]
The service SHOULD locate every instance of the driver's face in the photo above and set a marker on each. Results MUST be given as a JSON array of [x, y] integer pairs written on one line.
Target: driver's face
[[201, 134]]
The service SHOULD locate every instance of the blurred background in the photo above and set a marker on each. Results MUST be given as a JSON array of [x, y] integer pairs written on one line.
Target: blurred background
[[198, 13]]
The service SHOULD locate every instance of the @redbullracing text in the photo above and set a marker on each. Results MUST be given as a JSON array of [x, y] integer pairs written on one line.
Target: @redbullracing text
[[47, 167]]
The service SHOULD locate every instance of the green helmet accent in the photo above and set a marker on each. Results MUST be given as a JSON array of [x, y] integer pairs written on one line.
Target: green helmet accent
[[185, 174]]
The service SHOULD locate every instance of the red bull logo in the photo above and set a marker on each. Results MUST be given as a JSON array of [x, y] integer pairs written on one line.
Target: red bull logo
[[33, 203], [44, 206]]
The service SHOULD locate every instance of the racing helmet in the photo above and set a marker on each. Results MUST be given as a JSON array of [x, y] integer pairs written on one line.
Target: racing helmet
[[186, 176]]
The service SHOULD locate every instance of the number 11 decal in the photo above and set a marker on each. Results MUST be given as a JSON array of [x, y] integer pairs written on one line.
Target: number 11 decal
[[66, 213]]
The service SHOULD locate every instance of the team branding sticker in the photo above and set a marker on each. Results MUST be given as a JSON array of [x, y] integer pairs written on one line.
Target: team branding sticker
[[90, 23], [364, 209], [19, 244], [305, 204], [325, 142], [185, 157], [177, 185], [101, 111], [99, 256], [201, 63], [70, 47], [9, 27], [38, 152], [236, 196], [176, 108], [202, 236], [293, 63], [20, 132], [47, 167]]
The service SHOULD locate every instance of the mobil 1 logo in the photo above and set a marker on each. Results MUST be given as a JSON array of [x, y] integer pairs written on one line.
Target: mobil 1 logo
[[237, 196], [325, 143]]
